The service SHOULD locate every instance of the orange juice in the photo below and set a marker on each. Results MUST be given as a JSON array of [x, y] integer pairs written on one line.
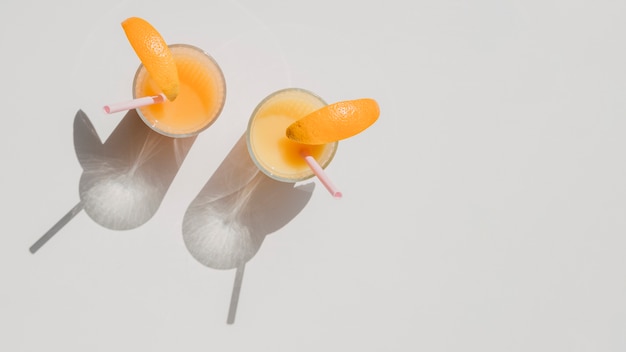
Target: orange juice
[[271, 150], [199, 102]]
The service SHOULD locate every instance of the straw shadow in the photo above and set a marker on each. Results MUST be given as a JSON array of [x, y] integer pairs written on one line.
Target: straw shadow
[[124, 179], [225, 225]]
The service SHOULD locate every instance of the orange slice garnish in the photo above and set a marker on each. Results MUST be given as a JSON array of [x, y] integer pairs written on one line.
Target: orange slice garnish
[[154, 54], [334, 122]]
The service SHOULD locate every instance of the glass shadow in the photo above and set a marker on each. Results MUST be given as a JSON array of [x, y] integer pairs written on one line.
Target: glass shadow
[[225, 225], [124, 179]]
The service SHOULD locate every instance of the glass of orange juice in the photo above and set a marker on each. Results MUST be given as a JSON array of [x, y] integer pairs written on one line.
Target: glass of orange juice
[[273, 153], [199, 102]]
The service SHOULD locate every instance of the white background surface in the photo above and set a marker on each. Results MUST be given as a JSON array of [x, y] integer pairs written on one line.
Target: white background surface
[[484, 211]]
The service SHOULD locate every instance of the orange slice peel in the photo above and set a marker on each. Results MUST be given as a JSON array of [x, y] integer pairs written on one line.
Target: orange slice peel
[[334, 122], [154, 54]]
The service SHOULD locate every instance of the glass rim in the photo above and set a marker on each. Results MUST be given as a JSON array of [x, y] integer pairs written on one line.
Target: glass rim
[[217, 113], [260, 166]]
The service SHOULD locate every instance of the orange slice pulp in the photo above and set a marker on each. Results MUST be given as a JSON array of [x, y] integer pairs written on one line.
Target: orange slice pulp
[[334, 122], [154, 54]]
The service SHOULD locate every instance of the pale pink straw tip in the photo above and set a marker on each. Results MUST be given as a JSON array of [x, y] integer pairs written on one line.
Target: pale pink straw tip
[[321, 175], [135, 103]]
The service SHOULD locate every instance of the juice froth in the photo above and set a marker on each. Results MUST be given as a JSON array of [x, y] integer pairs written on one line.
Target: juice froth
[[200, 99], [269, 147]]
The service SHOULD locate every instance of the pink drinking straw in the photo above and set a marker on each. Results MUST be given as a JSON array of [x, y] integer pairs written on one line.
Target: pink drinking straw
[[321, 175], [135, 103]]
